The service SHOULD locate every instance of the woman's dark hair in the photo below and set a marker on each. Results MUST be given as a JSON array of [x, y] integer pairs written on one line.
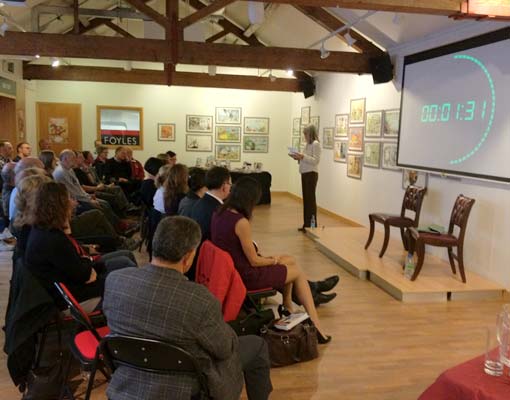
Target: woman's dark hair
[[52, 205], [47, 157], [152, 165], [170, 153], [244, 196], [175, 184], [196, 180]]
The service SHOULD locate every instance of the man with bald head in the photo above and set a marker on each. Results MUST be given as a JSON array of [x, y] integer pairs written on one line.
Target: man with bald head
[[6, 150]]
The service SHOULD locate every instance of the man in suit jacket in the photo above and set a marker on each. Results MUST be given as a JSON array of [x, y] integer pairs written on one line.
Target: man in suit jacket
[[158, 302], [218, 182]]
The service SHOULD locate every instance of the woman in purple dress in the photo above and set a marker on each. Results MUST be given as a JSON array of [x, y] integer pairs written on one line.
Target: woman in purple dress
[[231, 231]]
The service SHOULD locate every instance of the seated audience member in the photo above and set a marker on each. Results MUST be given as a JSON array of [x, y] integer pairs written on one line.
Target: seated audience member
[[113, 194], [7, 187], [135, 300], [172, 157], [100, 161], [89, 169], [53, 255], [118, 170], [172, 191], [49, 161], [44, 144], [231, 231], [218, 183], [23, 150], [160, 180], [6, 151], [136, 166], [163, 157], [148, 187], [197, 189]]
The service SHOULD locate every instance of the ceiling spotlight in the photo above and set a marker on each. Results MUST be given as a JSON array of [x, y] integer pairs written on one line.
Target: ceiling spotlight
[[272, 78], [349, 39], [324, 53], [37, 56], [55, 62], [290, 72], [3, 28]]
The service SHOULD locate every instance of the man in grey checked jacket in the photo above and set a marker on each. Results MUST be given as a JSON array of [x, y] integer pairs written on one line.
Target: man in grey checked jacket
[[158, 302]]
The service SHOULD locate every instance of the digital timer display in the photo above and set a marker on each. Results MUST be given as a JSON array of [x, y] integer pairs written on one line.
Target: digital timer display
[[454, 114]]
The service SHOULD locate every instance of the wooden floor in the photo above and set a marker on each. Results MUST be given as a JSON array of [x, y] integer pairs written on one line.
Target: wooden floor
[[382, 349], [436, 282]]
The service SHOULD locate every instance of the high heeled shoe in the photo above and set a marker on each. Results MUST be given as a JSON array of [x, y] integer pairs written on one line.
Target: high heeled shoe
[[282, 311], [323, 339]]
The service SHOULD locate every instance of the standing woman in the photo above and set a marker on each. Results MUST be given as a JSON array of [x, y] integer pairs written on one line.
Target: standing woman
[[309, 170]]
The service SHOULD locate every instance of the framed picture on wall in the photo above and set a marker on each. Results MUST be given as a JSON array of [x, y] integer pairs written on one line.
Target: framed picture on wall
[[315, 122], [391, 122], [228, 134], [374, 124], [166, 132], [357, 113], [389, 156], [199, 143], [341, 125], [120, 126], [256, 126], [340, 151], [295, 142], [228, 152], [372, 155], [296, 126], [327, 137], [356, 138], [199, 123], [305, 115], [58, 130], [354, 166], [228, 115], [255, 144], [412, 177]]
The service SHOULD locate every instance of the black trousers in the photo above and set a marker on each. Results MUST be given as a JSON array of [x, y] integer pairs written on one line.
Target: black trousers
[[308, 185], [254, 356]]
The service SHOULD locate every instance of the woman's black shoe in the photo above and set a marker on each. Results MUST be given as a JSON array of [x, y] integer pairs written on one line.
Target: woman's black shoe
[[327, 284], [282, 311], [302, 229], [321, 339], [321, 298]]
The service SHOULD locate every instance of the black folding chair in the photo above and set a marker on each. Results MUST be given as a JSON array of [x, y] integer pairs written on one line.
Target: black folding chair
[[153, 356]]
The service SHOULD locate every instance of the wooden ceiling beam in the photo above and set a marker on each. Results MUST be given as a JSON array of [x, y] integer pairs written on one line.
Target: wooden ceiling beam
[[270, 57], [141, 6], [219, 35], [331, 24], [432, 7], [117, 29], [204, 12], [153, 77], [93, 24]]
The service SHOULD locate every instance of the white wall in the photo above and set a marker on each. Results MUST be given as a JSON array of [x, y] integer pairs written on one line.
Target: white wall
[[170, 105]]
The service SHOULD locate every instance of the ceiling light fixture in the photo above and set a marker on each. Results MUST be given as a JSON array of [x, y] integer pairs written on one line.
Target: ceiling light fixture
[[3, 28], [324, 53], [349, 39], [290, 72], [37, 56], [211, 70], [55, 62], [272, 78]]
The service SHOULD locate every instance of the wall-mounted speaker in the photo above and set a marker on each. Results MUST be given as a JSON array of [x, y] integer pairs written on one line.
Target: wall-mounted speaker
[[307, 87], [381, 68]]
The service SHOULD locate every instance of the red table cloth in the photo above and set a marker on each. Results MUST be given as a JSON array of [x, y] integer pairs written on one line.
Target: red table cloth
[[468, 381]]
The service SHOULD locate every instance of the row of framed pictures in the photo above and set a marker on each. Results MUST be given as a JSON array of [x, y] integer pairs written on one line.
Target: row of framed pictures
[[251, 144], [382, 123], [204, 124]]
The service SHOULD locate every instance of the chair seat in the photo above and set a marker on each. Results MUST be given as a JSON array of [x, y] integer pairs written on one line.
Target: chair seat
[[86, 343], [392, 219], [441, 240]]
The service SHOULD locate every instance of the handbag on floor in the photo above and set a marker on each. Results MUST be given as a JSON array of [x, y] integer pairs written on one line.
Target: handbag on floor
[[253, 323], [293, 346]]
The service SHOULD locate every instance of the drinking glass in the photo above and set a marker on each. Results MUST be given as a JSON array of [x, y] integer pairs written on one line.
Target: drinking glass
[[492, 364]]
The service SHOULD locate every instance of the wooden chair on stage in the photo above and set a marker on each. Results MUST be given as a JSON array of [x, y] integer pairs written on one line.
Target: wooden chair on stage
[[413, 199], [459, 217]]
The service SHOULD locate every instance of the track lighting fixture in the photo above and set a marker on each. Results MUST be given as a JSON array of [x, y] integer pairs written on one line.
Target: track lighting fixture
[[349, 39], [290, 72], [55, 62], [324, 53], [272, 78], [211, 70]]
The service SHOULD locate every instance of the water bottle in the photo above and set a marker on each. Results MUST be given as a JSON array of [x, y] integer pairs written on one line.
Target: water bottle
[[312, 222], [409, 266]]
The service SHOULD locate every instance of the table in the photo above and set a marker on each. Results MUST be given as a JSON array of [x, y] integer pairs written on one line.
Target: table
[[264, 178], [467, 381]]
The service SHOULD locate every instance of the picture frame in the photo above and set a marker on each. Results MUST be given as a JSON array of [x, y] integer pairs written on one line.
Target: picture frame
[[227, 152], [340, 151], [202, 143], [341, 125], [354, 166], [357, 111], [166, 132], [296, 126], [389, 156], [227, 134], [415, 178], [327, 137], [372, 155], [391, 123], [356, 138], [255, 144], [228, 115], [120, 126], [305, 115], [256, 126], [373, 126], [295, 142], [315, 121], [199, 123]]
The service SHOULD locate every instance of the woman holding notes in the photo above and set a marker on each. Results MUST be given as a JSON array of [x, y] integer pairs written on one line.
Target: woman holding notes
[[309, 170]]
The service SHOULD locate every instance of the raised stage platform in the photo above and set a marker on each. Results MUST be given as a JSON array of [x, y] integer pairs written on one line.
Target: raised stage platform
[[436, 282]]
